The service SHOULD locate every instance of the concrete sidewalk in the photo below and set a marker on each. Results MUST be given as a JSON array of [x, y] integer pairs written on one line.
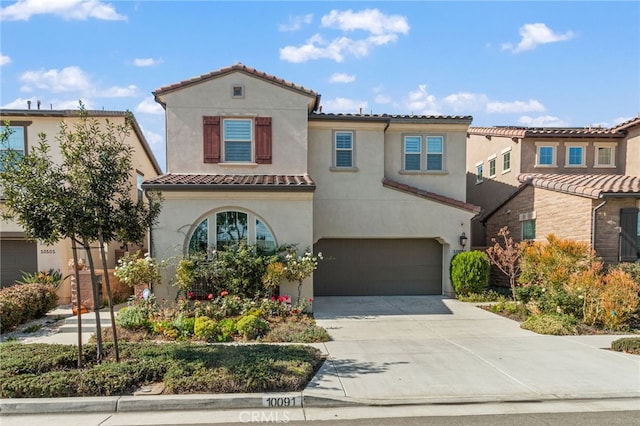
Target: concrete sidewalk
[[414, 351]]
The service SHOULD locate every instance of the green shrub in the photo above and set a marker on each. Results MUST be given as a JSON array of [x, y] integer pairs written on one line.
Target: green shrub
[[485, 296], [627, 344], [226, 329], [470, 272], [251, 327], [133, 318], [205, 328], [298, 331], [184, 325], [555, 324], [25, 302]]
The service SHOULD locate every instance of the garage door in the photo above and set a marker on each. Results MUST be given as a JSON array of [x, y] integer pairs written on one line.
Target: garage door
[[366, 267], [16, 256]]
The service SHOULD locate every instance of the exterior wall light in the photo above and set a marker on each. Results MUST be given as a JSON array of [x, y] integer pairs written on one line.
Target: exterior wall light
[[463, 240]]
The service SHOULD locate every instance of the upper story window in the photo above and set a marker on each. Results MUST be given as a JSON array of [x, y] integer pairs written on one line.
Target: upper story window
[[506, 161], [604, 155], [237, 140], [412, 152], [139, 180], [479, 169], [343, 143], [237, 91], [16, 143], [423, 153], [435, 152], [575, 156], [492, 166], [546, 154]]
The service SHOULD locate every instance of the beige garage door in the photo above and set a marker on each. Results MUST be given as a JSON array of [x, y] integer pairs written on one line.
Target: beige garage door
[[16, 256], [366, 267]]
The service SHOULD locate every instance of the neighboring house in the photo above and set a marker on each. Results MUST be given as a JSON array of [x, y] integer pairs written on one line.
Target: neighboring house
[[16, 253], [496, 156], [601, 210], [251, 156]]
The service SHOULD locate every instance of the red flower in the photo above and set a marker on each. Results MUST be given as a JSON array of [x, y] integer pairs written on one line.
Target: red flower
[[190, 294], [286, 297], [273, 298], [310, 300], [224, 293], [280, 299], [210, 296]]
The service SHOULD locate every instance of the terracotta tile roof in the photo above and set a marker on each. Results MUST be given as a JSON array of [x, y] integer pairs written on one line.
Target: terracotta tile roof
[[233, 68], [626, 124], [556, 132], [430, 195], [464, 119], [195, 182], [592, 186]]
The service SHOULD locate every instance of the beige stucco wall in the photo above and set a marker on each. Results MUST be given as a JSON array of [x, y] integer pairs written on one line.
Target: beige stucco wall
[[289, 215], [186, 107], [355, 204], [56, 256], [632, 150]]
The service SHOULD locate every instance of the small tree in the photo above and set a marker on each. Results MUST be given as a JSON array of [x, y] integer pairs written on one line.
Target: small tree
[[505, 255], [297, 268]]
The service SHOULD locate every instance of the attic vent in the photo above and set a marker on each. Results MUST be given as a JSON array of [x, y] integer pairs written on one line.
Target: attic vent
[[527, 216], [237, 91]]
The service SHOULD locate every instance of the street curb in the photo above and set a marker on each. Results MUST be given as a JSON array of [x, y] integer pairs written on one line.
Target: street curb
[[203, 402]]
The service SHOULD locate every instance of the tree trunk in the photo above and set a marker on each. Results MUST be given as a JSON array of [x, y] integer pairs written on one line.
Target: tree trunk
[[110, 298], [96, 302], [78, 299]]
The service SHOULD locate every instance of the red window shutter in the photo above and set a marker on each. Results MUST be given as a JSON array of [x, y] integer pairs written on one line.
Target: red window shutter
[[263, 140], [211, 139]]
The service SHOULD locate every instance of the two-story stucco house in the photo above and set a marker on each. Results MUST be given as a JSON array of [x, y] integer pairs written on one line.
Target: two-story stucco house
[[251, 156], [16, 253], [577, 183]]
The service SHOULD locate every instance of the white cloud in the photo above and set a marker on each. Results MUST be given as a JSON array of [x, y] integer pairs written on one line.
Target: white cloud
[[344, 105], [383, 29], [370, 20], [465, 102], [296, 22], [119, 92], [382, 99], [4, 60], [341, 77], [65, 80], [534, 35], [146, 62], [514, 107], [23, 10], [421, 102], [154, 139], [149, 106], [542, 121]]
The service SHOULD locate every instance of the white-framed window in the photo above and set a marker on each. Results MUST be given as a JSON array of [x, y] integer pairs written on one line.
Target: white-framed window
[[237, 136], [605, 155], [139, 180], [221, 228], [492, 166], [16, 143], [575, 155], [343, 149], [435, 153], [506, 160], [479, 170], [412, 152], [546, 154], [423, 153]]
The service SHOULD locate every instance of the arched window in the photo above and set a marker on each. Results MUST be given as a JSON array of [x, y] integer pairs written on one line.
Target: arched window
[[224, 227]]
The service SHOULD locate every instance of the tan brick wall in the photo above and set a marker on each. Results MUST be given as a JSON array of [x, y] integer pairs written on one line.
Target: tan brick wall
[[566, 216], [607, 222]]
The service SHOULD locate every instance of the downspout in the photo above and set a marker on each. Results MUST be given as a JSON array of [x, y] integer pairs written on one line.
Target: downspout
[[593, 223]]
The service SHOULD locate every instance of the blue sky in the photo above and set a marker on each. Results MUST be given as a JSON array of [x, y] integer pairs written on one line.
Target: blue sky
[[504, 63]]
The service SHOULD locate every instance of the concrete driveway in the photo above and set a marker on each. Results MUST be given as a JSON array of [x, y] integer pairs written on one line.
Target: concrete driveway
[[430, 349]]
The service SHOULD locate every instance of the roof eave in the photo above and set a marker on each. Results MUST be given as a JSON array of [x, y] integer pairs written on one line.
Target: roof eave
[[227, 188]]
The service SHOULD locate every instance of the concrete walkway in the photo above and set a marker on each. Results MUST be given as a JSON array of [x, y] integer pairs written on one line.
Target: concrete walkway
[[398, 356]]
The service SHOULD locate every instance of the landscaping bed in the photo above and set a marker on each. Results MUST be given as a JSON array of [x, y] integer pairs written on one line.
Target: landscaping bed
[[50, 371]]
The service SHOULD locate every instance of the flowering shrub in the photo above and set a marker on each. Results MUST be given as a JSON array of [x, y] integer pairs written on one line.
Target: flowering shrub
[[619, 299], [297, 267], [135, 269], [26, 302]]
